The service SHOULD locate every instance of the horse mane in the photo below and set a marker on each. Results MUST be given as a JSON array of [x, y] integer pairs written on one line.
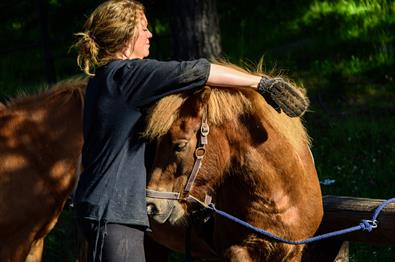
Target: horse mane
[[227, 104], [65, 89], [162, 115]]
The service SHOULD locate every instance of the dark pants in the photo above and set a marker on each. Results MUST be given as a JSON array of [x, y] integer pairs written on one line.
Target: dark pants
[[113, 242]]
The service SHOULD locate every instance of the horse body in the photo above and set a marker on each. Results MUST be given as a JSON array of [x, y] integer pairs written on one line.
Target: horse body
[[257, 167], [40, 143]]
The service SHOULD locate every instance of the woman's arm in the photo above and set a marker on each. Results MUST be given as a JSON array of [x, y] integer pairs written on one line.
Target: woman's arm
[[224, 76], [285, 96]]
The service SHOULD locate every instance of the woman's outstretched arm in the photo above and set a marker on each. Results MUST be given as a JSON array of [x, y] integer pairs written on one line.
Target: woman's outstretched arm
[[285, 96], [224, 76]]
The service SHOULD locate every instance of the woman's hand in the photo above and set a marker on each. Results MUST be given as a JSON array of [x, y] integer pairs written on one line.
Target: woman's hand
[[284, 95]]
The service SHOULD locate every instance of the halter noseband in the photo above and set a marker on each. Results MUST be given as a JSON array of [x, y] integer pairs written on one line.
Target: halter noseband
[[200, 151]]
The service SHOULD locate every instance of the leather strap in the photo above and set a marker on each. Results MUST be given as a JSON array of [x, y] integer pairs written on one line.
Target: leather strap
[[162, 195], [200, 151]]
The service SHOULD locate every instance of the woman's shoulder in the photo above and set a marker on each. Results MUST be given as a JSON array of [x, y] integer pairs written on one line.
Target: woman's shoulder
[[120, 66], [124, 68], [132, 63], [149, 63]]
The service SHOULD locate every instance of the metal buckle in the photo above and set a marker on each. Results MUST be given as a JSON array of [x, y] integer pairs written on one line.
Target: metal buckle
[[373, 223], [204, 129], [200, 152]]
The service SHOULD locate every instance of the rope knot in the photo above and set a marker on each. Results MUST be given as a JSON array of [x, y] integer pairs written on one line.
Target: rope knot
[[368, 225]]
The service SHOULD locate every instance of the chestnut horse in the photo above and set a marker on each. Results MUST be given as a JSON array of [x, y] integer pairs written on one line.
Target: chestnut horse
[[40, 146], [257, 166], [40, 143]]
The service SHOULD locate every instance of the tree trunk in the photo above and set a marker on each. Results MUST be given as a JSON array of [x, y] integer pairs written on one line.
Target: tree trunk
[[195, 29]]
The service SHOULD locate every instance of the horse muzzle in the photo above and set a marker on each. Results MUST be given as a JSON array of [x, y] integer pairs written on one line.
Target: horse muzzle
[[163, 210]]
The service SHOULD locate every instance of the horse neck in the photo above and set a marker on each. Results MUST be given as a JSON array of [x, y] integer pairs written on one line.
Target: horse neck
[[218, 159], [235, 151]]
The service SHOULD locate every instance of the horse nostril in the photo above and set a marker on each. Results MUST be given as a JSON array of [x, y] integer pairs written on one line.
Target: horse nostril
[[151, 209]]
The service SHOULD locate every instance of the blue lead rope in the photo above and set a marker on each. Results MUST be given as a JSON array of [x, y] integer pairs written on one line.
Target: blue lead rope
[[364, 225]]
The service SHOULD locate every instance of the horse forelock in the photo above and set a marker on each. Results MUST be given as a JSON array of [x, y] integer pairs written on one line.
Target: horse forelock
[[223, 105]]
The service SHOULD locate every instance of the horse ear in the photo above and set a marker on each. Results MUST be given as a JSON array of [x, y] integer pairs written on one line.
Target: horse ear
[[203, 96], [198, 100]]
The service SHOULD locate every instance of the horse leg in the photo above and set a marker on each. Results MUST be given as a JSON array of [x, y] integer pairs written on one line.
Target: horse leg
[[36, 251], [237, 253]]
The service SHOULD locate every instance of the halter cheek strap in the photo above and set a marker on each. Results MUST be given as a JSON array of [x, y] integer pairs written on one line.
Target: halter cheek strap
[[200, 151]]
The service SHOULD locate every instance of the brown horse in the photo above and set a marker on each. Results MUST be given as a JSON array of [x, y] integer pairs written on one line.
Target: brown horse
[[40, 146], [257, 166], [40, 143]]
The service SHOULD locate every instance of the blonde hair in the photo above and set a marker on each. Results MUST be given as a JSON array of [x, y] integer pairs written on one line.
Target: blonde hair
[[106, 32]]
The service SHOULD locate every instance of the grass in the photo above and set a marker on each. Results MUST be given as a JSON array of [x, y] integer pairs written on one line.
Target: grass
[[356, 150], [60, 244], [364, 252]]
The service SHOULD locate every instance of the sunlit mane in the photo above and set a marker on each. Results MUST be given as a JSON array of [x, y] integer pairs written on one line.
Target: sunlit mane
[[65, 88], [163, 114], [224, 105]]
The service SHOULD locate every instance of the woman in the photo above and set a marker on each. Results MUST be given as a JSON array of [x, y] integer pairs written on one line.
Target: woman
[[110, 196]]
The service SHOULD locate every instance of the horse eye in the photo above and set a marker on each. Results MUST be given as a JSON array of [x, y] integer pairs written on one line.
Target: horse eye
[[180, 146]]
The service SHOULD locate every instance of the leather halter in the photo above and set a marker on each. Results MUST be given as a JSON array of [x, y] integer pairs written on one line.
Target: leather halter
[[200, 151]]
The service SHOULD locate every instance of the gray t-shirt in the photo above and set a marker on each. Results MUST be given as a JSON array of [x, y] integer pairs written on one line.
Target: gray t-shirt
[[112, 185]]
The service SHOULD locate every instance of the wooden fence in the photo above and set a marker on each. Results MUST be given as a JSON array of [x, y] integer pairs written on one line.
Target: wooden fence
[[344, 212]]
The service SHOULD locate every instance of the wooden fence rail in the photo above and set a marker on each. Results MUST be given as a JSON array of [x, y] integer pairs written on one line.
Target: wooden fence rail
[[342, 212]]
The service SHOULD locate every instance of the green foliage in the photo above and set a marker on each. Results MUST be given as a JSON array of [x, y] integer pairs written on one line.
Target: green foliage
[[17, 77], [365, 171], [353, 19], [61, 243], [340, 38]]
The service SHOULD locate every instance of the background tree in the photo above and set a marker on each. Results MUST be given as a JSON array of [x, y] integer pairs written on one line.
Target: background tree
[[194, 29], [45, 42]]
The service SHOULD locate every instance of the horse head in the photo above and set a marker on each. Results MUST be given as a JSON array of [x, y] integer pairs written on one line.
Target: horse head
[[174, 159], [184, 168]]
